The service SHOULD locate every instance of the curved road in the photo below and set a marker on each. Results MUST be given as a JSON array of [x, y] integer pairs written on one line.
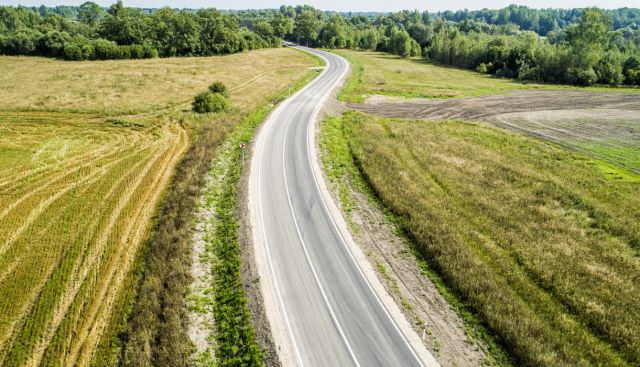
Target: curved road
[[330, 312]]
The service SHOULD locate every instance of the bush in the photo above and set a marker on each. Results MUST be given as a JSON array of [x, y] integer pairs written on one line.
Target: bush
[[530, 73], [105, 50], [584, 77], [206, 102], [483, 68], [631, 70], [136, 51], [219, 87], [72, 52], [609, 69], [149, 52]]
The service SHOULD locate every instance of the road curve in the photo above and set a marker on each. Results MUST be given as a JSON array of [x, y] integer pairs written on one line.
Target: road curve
[[324, 304]]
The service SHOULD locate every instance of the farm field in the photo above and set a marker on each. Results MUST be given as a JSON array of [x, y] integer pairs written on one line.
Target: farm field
[[601, 122], [533, 238], [84, 166], [533, 226], [114, 87]]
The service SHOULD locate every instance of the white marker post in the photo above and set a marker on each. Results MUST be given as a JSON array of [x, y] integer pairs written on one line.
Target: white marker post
[[242, 146]]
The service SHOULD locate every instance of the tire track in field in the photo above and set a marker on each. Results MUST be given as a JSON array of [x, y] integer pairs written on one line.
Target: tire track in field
[[90, 260], [104, 169], [29, 305], [66, 167], [64, 174], [34, 214], [112, 133], [87, 339], [25, 176], [78, 272]]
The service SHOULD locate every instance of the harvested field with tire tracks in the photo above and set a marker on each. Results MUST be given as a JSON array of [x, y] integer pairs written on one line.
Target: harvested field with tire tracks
[[82, 190]]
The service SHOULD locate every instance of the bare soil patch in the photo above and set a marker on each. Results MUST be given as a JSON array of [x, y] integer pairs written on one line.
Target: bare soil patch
[[483, 108], [605, 125]]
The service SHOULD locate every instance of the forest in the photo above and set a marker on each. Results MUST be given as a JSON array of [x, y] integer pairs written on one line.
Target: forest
[[573, 46]]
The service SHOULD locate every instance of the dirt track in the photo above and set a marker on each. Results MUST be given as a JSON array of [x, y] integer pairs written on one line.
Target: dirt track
[[605, 125], [483, 108]]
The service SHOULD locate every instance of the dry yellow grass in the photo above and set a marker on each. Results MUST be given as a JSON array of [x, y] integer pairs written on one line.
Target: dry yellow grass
[[133, 86], [79, 189], [66, 220]]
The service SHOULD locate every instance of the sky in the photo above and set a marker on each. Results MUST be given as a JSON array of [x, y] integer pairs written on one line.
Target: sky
[[346, 5]]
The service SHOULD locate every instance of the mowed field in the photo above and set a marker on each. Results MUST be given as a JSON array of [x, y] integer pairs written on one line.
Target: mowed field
[[377, 73], [87, 150], [534, 239]]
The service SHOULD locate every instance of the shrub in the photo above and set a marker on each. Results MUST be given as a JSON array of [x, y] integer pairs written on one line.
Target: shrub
[[609, 69], [136, 51], [88, 51], [72, 52], [206, 102], [483, 68], [529, 73], [149, 52], [105, 50], [631, 70], [219, 87], [582, 76]]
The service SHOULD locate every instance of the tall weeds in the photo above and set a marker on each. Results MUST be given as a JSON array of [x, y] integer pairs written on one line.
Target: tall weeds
[[535, 239]]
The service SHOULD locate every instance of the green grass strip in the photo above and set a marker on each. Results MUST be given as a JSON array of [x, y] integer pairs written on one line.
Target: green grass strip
[[235, 343]]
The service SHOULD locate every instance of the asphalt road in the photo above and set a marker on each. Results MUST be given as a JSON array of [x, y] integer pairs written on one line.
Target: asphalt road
[[331, 313]]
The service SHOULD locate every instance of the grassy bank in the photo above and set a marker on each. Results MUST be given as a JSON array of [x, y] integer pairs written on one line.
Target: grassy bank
[[535, 240]]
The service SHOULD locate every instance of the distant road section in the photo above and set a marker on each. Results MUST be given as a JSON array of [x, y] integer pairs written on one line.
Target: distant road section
[[319, 297]]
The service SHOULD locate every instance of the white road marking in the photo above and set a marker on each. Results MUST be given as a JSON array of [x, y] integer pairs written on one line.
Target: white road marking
[[304, 247]]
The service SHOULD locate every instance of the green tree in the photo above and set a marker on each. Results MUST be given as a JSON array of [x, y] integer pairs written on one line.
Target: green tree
[[264, 29], [125, 26], [631, 70], [609, 69], [334, 33], [282, 25], [220, 33], [587, 38], [90, 14], [401, 43], [306, 28]]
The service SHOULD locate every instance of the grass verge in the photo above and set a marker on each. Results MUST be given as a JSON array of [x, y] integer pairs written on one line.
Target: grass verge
[[344, 173], [532, 239], [235, 344]]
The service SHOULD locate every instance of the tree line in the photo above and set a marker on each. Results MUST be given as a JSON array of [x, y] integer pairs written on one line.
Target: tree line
[[121, 32], [588, 50], [587, 53], [541, 21], [576, 46]]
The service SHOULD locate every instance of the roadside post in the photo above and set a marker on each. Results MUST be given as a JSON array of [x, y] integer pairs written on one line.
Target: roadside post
[[242, 146]]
